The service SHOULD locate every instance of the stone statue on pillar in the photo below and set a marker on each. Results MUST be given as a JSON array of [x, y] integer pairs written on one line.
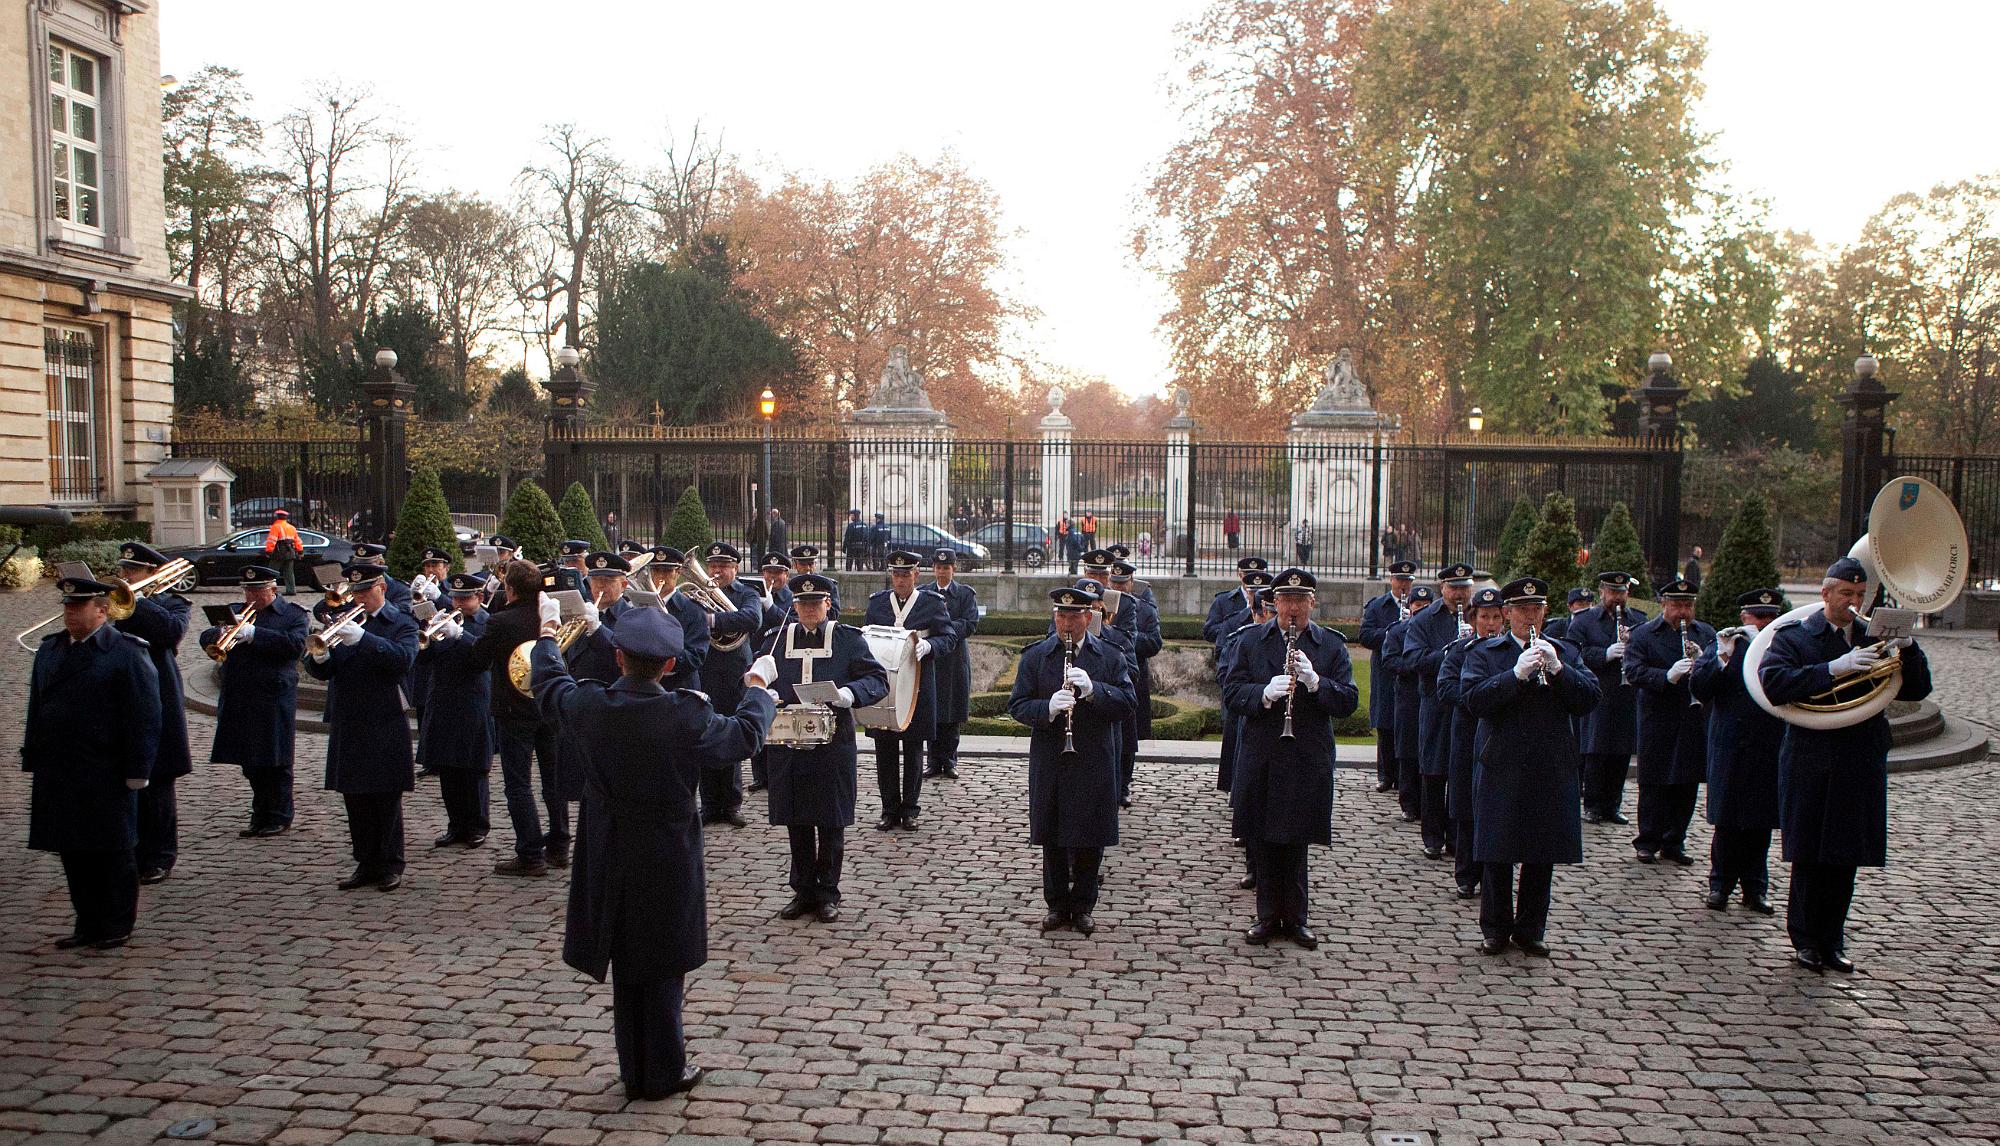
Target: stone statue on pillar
[[900, 387], [1343, 389]]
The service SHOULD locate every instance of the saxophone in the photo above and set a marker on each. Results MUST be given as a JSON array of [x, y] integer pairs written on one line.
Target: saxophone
[[1292, 680]]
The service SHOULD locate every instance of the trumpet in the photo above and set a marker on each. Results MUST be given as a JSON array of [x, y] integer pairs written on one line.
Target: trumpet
[[316, 644], [219, 651], [1291, 680], [435, 626], [1069, 727], [124, 597]]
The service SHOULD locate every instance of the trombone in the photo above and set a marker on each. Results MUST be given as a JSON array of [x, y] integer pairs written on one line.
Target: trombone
[[124, 597], [219, 651]]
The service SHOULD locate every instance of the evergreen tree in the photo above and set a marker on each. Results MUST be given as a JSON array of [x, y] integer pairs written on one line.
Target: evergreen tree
[[1520, 523], [532, 522], [688, 529], [1550, 551], [423, 521], [1746, 560], [514, 394], [1617, 549], [579, 517]]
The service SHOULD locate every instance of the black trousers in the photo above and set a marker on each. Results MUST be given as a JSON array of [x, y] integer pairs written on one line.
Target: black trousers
[[1464, 869], [1604, 781], [159, 826], [375, 826], [1816, 914], [1385, 756], [816, 853], [523, 748], [646, 1022], [944, 746], [1501, 915], [466, 800], [1437, 823], [1665, 811], [1281, 881], [1409, 778], [899, 773], [270, 796], [757, 775], [721, 787], [104, 890], [1740, 856], [1069, 877]]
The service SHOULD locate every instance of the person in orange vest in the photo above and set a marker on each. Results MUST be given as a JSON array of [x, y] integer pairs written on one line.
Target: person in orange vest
[[1089, 532], [283, 547]]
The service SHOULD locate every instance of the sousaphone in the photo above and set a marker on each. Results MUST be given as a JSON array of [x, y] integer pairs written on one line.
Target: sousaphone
[[1916, 550]]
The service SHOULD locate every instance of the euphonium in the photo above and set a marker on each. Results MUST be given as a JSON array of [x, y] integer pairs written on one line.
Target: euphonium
[[710, 596]]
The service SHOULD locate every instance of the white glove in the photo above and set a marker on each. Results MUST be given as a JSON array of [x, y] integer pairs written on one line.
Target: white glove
[[452, 631], [1526, 664], [1061, 702], [844, 698], [1275, 690], [1900, 643], [1078, 681], [246, 634], [1551, 659], [430, 590], [1615, 651], [551, 610], [1303, 668], [135, 785], [923, 648], [1725, 648], [1678, 671], [1853, 660], [590, 618], [347, 634], [765, 672]]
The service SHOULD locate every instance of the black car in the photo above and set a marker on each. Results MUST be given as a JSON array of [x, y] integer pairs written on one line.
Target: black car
[[222, 564], [925, 540], [1031, 541], [258, 512]]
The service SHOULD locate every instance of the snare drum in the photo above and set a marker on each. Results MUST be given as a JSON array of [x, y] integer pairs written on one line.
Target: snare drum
[[802, 726], [896, 651]]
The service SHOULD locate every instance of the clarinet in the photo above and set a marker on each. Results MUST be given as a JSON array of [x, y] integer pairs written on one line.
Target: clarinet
[[1069, 726], [1691, 651], [1292, 681], [1541, 671]]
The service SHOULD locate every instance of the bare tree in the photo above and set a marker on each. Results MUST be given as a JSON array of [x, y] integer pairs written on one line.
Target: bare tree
[[460, 255], [682, 196], [575, 196]]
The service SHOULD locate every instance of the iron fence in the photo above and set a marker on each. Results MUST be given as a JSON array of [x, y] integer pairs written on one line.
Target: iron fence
[[1973, 482], [322, 483]]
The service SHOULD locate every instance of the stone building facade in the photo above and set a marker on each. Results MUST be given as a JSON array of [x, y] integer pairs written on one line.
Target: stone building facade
[[86, 297]]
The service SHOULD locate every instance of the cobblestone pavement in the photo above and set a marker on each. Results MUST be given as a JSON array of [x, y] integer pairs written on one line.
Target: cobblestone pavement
[[289, 1012]]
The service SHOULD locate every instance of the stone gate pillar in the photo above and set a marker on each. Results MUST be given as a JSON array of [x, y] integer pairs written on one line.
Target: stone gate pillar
[[1334, 480], [1660, 426], [569, 398], [1058, 465], [1864, 439], [899, 450], [387, 395], [1179, 532]]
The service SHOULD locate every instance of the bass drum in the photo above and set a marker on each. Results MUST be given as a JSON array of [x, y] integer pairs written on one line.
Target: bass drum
[[896, 650]]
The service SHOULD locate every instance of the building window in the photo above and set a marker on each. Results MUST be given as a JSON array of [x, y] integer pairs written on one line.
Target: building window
[[76, 145], [70, 362]]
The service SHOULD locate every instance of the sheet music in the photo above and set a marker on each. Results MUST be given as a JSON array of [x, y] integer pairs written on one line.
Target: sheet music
[[818, 692]]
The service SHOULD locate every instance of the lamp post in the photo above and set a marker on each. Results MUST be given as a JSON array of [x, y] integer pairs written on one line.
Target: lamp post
[[1475, 422], [767, 405]]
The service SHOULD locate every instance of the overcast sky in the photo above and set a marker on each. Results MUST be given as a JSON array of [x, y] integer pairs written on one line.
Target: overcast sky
[[1824, 107]]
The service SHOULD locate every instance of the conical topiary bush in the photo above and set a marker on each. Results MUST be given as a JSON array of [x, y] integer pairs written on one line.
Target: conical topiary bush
[[1550, 551], [1617, 549], [532, 522], [1513, 536], [423, 521], [688, 529], [579, 517], [1746, 559]]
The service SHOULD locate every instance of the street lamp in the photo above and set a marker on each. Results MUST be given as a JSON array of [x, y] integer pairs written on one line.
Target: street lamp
[[1476, 422], [767, 405]]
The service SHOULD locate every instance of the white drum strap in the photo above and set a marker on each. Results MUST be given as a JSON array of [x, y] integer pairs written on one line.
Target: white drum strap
[[806, 657], [902, 610]]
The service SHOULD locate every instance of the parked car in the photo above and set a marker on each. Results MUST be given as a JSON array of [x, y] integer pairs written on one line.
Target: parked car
[[1031, 541], [222, 564], [925, 540], [468, 538], [259, 511]]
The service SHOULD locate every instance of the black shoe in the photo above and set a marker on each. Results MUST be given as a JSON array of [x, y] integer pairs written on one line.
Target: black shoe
[[933, 773], [1384, 786], [799, 907], [358, 879], [909, 822], [1410, 819], [826, 913], [1468, 891], [556, 852], [69, 941], [1492, 946], [445, 840], [476, 840], [1247, 882], [1083, 923], [1809, 959], [1758, 904], [117, 941], [1614, 817], [1716, 901], [690, 1076], [154, 875], [1680, 857], [265, 832], [1835, 961], [246, 833], [520, 865], [756, 786], [1593, 817], [949, 772], [1053, 921], [1532, 946], [425, 774], [1433, 853], [1303, 936], [1645, 856], [887, 822], [1125, 802], [389, 882], [1263, 931]]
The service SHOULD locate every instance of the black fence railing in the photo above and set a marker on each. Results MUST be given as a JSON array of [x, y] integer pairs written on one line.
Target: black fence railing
[[322, 483]]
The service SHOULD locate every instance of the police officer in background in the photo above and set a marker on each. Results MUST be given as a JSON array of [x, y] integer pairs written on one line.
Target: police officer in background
[[1461, 730], [368, 758], [1608, 733], [644, 749], [1743, 744], [1072, 691], [899, 756], [92, 728], [1673, 726], [161, 620], [1290, 675], [1426, 640], [954, 668], [1226, 611], [255, 711], [813, 786], [455, 733], [722, 676], [1378, 615], [1523, 688], [1404, 663], [1833, 783], [854, 541]]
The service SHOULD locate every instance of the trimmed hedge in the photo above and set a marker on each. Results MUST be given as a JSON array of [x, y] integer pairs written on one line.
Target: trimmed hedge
[[89, 527], [101, 556]]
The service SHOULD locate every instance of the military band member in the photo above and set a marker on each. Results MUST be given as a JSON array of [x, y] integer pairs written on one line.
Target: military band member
[[255, 711], [590, 656], [1487, 620], [1608, 733], [1290, 673], [574, 554], [722, 676], [1378, 615], [1673, 727], [92, 729], [637, 905], [813, 787], [1226, 610], [1404, 663], [776, 572], [504, 551], [899, 756], [954, 668], [805, 558], [663, 575], [161, 620], [455, 733], [428, 585], [527, 742], [1523, 688], [1072, 691], [1120, 610], [1429, 636], [396, 591], [1577, 601], [368, 758], [1743, 742], [1833, 783], [1146, 644], [1232, 724]]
